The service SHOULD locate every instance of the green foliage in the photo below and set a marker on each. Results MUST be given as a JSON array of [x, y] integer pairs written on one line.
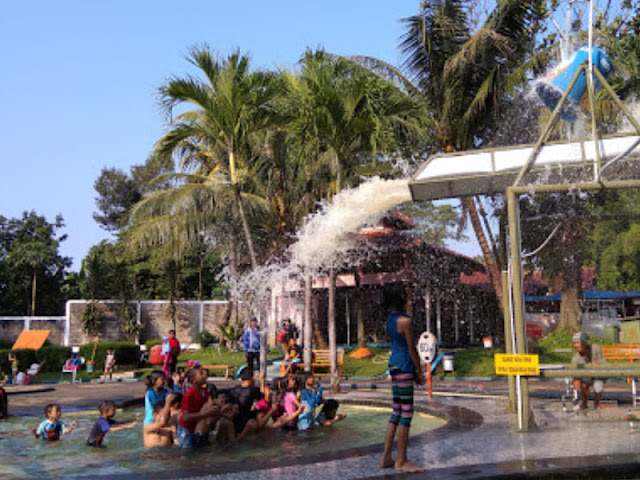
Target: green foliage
[[6, 344], [205, 338], [53, 357], [25, 356], [230, 333], [472, 362], [152, 343], [91, 318], [117, 193], [129, 318], [29, 256], [374, 366], [127, 353]]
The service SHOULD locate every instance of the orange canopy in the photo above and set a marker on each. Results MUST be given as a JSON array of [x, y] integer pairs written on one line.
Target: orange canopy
[[33, 339]]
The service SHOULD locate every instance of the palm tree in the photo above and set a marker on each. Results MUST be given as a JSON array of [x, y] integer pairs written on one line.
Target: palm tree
[[231, 104], [348, 115], [464, 77]]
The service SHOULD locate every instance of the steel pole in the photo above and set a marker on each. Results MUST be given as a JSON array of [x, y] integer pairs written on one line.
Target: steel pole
[[518, 301], [508, 344]]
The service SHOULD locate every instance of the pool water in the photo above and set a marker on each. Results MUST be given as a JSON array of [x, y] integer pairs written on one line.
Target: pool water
[[22, 455]]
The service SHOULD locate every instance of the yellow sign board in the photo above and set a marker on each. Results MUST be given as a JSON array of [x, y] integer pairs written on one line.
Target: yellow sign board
[[517, 364]]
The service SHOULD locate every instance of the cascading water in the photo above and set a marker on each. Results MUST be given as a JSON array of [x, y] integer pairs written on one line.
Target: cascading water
[[324, 239]]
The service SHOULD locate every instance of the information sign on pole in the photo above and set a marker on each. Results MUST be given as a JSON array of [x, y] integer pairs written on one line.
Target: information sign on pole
[[517, 364], [427, 344]]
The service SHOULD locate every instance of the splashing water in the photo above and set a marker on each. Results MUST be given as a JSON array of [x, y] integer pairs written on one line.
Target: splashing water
[[324, 240], [324, 237]]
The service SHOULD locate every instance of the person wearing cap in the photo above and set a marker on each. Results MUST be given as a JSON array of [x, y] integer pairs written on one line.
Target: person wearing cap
[[587, 354]]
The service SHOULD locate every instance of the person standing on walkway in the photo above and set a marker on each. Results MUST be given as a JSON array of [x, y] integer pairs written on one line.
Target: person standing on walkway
[[174, 344], [251, 343], [405, 370]]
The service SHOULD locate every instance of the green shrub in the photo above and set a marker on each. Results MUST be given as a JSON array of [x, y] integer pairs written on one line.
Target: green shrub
[[152, 343], [25, 356], [53, 357], [205, 338], [6, 344], [127, 353]]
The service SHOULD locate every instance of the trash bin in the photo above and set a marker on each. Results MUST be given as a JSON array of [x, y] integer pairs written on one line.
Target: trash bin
[[90, 366], [487, 342], [448, 363], [611, 333]]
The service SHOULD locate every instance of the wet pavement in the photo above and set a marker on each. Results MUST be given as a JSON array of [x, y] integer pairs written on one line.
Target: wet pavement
[[479, 441]]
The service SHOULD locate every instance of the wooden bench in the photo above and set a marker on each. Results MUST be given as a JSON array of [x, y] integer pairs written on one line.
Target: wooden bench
[[228, 369], [322, 360], [627, 353]]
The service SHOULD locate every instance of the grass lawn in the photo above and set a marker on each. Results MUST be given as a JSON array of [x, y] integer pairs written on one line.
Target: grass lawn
[[469, 362]]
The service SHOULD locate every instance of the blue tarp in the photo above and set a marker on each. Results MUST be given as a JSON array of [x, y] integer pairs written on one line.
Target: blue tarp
[[590, 295]]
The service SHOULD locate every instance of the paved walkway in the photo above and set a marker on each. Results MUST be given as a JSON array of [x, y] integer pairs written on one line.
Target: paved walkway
[[479, 441]]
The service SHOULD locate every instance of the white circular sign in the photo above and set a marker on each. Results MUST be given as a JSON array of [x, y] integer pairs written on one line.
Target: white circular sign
[[427, 346]]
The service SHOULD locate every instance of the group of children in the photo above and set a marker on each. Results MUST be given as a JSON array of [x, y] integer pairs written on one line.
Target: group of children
[[185, 411], [189, 419]]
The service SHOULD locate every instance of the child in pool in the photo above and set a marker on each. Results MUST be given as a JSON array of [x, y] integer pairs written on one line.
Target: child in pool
[[291, 402], [226, 430], [159, 434], [156, 393], [310, 397], [51, 428], [329, 414], [106, 423]]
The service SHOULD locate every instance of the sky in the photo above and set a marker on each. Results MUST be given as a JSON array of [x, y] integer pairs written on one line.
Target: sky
[[79, 83]]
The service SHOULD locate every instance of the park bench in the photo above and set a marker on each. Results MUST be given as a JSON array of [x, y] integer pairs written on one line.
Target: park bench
[[228, 369], [621, 352], [322, 360], [628, 353]]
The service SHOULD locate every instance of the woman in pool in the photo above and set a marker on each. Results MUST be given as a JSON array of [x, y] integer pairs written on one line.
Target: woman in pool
[[404, 367]]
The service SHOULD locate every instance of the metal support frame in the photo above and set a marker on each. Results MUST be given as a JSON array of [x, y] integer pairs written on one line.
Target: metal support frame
[[516, 306]]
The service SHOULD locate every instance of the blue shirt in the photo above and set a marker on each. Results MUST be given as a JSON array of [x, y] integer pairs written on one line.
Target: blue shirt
[[400, 357], [310, 399], [48, 430], [150, 399]]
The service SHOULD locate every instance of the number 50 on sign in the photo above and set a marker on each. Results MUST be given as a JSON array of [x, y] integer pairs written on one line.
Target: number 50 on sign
[[517, 364]]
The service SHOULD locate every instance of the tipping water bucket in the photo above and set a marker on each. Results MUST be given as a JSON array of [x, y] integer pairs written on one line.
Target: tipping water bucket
[[550, 92]]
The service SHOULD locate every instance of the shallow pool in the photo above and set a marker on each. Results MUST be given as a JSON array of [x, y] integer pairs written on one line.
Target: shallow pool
[[21, 455]]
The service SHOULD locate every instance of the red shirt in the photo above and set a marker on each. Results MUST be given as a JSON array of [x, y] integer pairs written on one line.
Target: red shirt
[[193, 401], [174, 344]]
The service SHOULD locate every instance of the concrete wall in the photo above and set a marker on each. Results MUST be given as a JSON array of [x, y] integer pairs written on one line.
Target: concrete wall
[[193, 316]]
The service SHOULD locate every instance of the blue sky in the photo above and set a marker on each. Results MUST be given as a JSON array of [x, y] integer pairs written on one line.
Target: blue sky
[[79, 81]]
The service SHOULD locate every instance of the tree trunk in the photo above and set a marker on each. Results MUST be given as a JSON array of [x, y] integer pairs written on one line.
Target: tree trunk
[[360, 317], [319, 339], [331, 324], [245, 225], [307, 330], [33, 294], [489, 257], [570, 311]]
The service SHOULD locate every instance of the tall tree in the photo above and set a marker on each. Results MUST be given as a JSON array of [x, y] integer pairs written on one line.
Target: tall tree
[[34, 269], [350, 116], [231, 103]]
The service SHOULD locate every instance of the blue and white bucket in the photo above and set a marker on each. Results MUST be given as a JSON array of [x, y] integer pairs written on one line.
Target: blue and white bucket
[[551, 92]]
